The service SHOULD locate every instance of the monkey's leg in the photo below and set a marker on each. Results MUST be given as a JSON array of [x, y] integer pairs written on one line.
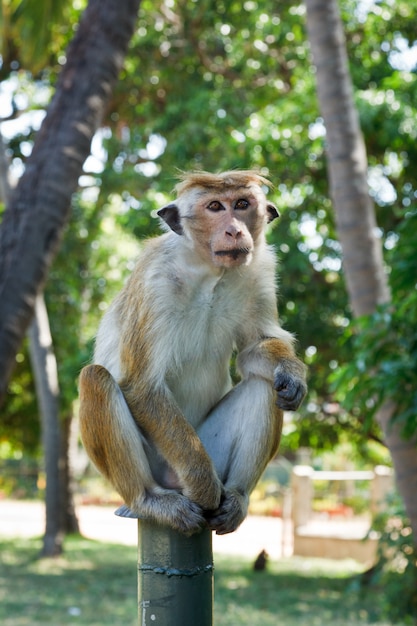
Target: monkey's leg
[[116, 446], [163, 424], [241, 435]]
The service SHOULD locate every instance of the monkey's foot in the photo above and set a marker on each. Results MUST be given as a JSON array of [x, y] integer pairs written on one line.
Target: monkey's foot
[[124, 511], [230, 514], [169, 508]]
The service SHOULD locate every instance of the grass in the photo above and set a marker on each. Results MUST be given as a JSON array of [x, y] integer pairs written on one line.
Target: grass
[[292, 592], [94, 584]]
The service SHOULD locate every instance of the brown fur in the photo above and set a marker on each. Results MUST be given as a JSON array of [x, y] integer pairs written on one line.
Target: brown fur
[[220, 182]]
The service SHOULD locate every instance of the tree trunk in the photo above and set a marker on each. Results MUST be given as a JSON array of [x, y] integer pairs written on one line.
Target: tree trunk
[[68, 516], [60, 515], [39, 209], [355, 212], [4, 172], [46, 381]]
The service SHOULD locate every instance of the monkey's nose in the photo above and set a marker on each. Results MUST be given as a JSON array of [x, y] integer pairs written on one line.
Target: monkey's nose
[[233, 231]]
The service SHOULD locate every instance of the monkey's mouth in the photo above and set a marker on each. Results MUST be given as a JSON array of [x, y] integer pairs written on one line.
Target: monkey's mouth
[[234, 253]]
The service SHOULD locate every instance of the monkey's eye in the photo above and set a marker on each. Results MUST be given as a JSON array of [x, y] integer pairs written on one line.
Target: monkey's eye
[[215, 206], [241, 204]]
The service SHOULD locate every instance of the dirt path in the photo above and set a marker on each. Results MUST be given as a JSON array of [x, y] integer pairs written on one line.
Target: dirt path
[[26, 519]]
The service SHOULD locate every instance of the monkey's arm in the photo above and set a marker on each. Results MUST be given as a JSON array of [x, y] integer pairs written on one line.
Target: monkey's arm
[[119, 451]]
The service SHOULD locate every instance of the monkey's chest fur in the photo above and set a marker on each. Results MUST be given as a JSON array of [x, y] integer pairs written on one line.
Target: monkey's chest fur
[[204, 328]]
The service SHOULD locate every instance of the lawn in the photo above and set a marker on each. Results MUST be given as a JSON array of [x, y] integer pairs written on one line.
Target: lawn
[[94, 584]]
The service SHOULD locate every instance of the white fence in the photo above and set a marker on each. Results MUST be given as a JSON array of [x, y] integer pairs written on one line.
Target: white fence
[[330, 538]]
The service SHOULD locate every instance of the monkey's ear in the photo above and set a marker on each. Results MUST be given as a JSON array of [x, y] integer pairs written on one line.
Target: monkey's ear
[[272, 212], [171, 217]]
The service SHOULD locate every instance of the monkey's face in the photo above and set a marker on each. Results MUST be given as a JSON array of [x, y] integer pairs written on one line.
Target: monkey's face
[[224, 226], [227, 227]]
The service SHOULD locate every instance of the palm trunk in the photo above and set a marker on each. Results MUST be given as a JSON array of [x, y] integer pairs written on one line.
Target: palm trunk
[[39, 208], [68, 515], [355, 212]]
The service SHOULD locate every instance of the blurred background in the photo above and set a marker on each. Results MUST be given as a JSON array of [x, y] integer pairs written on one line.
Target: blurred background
[[215, 86]]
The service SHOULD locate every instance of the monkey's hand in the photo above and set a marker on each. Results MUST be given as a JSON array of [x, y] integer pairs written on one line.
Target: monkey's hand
[[231, 512], [289, 382]]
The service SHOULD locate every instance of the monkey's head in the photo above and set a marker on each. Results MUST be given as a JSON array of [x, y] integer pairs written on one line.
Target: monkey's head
[[223, 216]]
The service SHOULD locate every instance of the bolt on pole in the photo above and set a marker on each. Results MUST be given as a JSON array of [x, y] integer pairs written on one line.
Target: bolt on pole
[[175, 576]]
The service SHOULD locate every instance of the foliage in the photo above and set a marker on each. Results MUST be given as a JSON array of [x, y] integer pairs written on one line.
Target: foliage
[[17, 427], [396, 569], [223, 85], [238, 100], [18, 472], [95, 584], [208, 117], [384, 345], [90, 268], [44, 27]]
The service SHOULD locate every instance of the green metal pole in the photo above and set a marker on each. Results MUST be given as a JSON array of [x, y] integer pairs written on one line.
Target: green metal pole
[[175, 577]]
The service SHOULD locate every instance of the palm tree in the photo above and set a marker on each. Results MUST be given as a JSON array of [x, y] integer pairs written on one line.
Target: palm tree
[[39, 208], [355, 212]]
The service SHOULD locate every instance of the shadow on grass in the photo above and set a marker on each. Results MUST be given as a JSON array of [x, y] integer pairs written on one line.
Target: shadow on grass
[[94, 584]]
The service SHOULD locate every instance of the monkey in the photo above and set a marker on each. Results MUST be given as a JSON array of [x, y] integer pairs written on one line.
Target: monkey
[[159, 415]]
